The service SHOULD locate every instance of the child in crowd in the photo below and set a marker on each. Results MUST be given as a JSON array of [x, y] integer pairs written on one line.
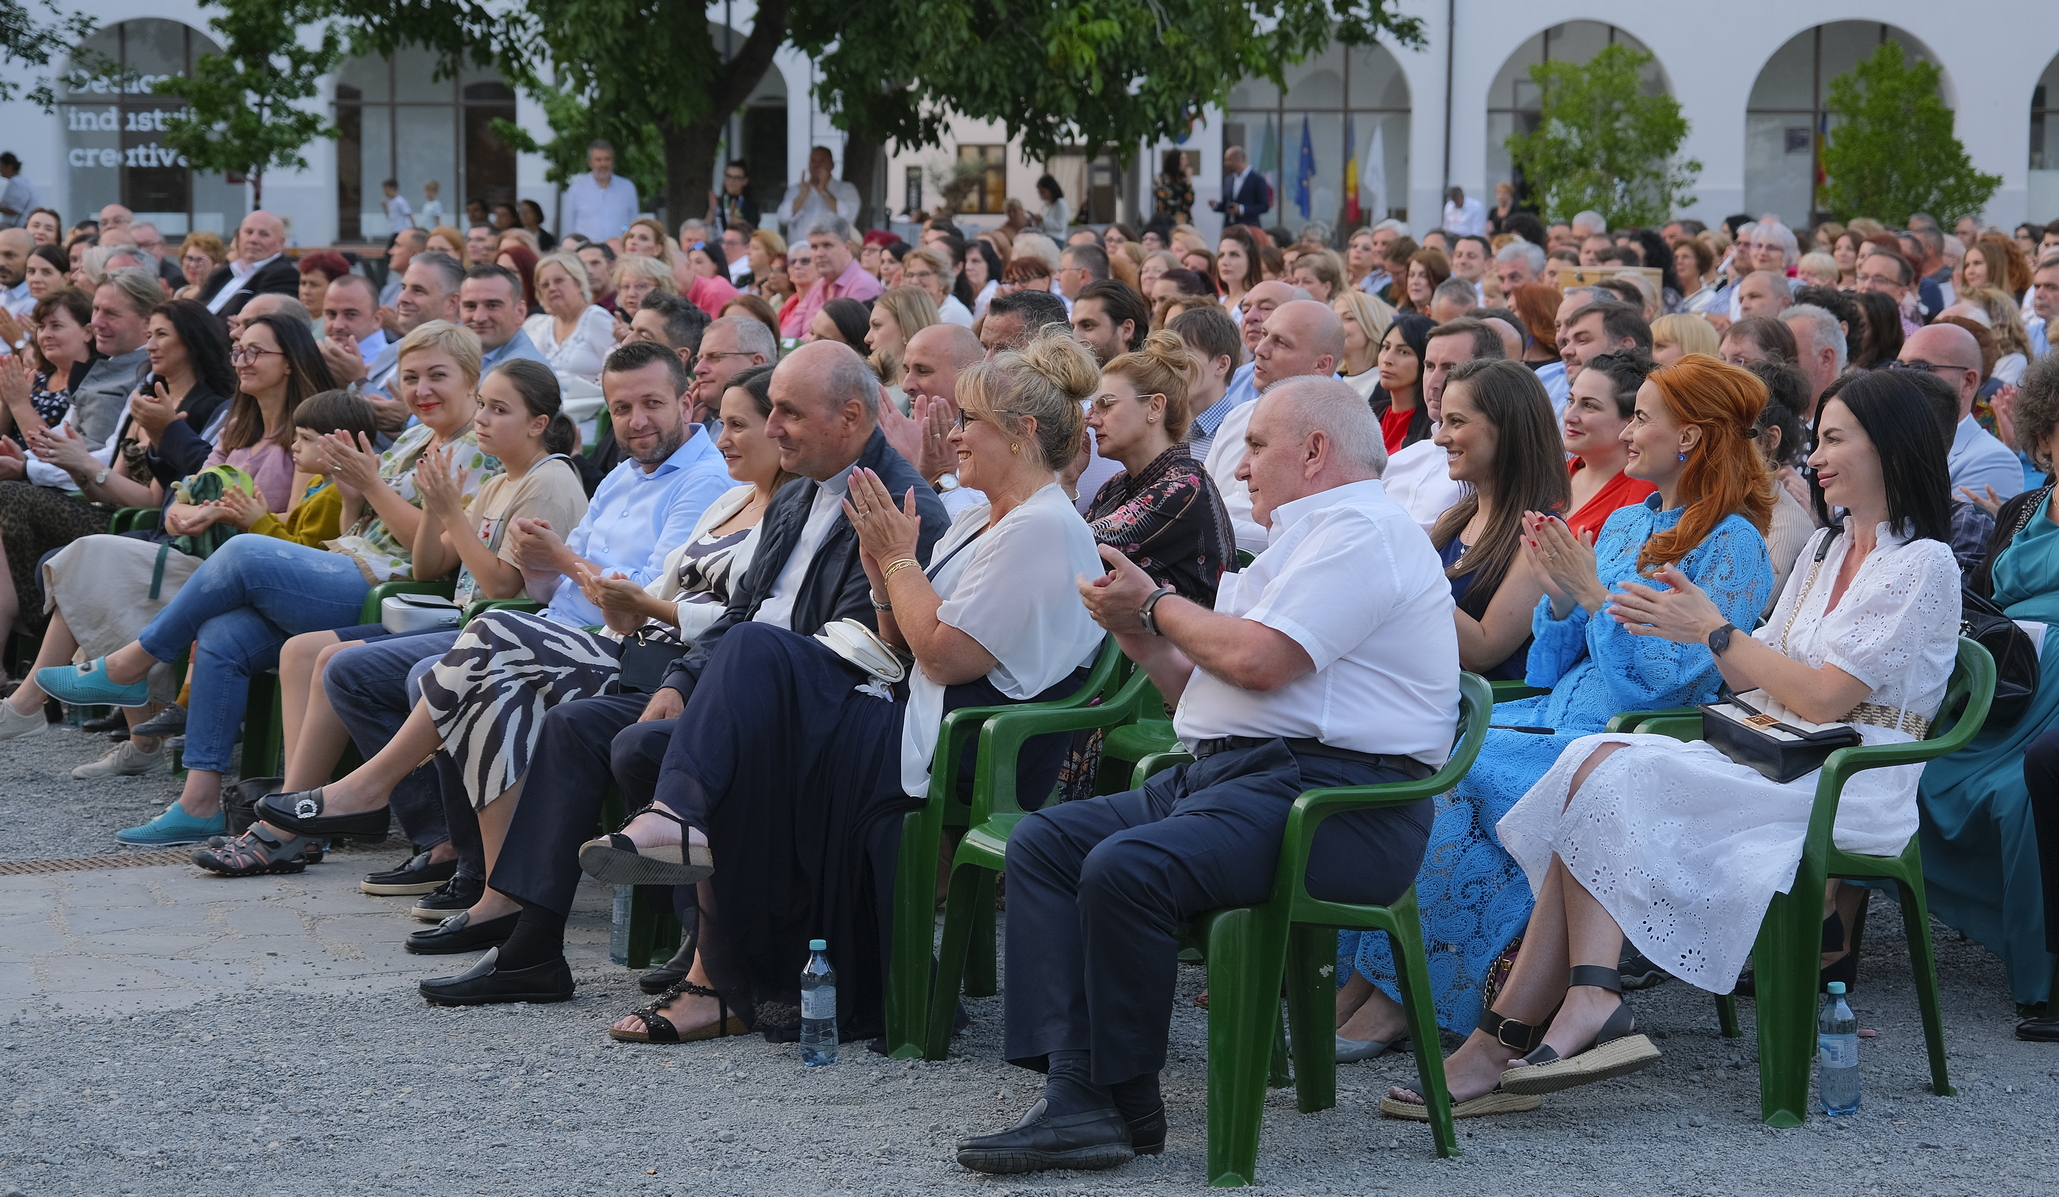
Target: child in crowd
[[431, 214], [317, 515]]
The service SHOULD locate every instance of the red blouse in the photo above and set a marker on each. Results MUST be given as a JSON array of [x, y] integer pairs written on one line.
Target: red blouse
[[1619, 491], [1394, 427]]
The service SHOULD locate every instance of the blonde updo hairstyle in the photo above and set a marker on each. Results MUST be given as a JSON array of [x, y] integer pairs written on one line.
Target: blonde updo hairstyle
[[461, 343], [1046, 380], [1160, 368]]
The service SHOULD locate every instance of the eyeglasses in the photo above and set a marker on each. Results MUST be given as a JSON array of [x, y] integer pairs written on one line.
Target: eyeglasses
[[1929, 367], [966, 416], [733, 176], [243, 355], [698, 358], [918, 276], [1103, 404]]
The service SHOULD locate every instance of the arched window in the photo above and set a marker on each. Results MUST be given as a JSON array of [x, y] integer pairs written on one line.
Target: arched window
[[1785, 121], [2044, 145], [1353, 104], [1513, 99], [114, 130], [396, 120]]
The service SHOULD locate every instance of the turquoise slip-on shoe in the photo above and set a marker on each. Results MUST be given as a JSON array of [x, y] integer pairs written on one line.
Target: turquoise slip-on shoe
[[87, 686], [172, 828]]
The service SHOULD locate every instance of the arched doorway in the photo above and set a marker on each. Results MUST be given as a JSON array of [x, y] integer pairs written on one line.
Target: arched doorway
[[1513, 98], [114, 130], [1352, 104], [396, 120], [1785, 121], [2044, 145]]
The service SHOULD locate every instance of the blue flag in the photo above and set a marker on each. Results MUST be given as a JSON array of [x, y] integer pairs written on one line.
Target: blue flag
[[1306, 174]]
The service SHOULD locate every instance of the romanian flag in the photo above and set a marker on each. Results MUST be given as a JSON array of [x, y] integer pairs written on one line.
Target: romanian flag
[[1351, 213]]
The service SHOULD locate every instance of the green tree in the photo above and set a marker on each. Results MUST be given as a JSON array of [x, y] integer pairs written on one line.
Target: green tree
[[29, 40], [648, 74], [1891, 150], [1605, 142], [242, 105]]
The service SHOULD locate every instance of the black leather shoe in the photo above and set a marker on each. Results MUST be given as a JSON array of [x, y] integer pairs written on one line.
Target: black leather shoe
[[673, 971], [459, 933], [301, 814], [1147, 1134], [2039, 1030], [169, 722], [1095, 1139], [412, 876], [484, 984], [458, 893], [112, 721]]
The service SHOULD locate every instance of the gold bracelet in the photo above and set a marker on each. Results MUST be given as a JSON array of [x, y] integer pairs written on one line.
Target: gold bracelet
[[894, 567]]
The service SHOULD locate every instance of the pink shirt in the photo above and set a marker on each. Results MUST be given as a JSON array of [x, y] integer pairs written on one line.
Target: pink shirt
[[853, 283], [709, 294], [271, 465]]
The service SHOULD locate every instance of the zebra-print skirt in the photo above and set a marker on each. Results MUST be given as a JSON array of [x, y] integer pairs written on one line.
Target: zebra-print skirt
[[490, 692]]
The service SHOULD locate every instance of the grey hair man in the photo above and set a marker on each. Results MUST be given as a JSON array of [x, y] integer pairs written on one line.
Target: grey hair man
[[1821, 345], [1299, 337], [1013, 320], [1518, 264]]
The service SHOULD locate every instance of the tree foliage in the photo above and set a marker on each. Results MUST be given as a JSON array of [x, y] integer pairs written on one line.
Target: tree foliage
[[1891, 150], [30, 40], [649, 75], [242, 105], [1604, 142]]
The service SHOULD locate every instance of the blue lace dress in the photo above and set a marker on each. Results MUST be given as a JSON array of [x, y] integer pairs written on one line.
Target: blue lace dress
[[1473, 895]]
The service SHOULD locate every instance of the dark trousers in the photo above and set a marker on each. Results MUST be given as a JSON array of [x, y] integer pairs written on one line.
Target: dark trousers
[[2041, 774], [370, 689], [581, 748], [1098, 889]]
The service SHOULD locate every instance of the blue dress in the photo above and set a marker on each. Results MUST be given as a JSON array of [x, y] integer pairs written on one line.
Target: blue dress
[[1980, 848], [1473, 895]]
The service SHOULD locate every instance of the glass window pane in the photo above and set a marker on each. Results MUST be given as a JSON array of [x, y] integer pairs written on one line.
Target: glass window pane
[[370, 76], [1376, 79], [1775, 179], [1324, 132], [155, 47], [1785, 82], [414, 78], [1317, 82], [427, 141], [1512, 87], [1254, 92]]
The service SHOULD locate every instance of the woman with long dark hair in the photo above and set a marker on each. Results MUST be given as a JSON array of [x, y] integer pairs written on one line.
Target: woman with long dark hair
[[1601, 404], [1397, 399], [1496, 430], [1882, 339], [1688, 439], [1675, 847]]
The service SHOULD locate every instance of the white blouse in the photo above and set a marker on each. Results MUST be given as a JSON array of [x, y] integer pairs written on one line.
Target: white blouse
[[580, 354], [1012, 591], [954, 311]]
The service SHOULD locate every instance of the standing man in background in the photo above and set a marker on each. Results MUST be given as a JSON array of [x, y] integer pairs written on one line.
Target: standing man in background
[[1245, 193], [598, 204], [17, 196], [818, 194], [1464, 217]]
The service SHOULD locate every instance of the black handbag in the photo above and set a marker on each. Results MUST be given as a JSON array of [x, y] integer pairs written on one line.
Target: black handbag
[[645, 657], [2016, 658], [1780, 749]]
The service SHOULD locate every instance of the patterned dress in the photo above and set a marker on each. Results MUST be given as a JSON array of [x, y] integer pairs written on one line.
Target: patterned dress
[[380, 554], [50, 403], [1473, 895]]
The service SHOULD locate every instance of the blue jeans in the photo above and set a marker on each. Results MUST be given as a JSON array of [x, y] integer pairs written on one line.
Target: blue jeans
[[241, 605]]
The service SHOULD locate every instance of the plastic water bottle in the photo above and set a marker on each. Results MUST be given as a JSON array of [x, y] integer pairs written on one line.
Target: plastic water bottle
[[618, 928], [818, 1007], [1837, 1054]]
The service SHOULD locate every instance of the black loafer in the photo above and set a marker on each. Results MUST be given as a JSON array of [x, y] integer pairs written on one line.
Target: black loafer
[[459, 933], [1147, 1134], [672, 972], [114, 720], [1095, 1139], [458, 893], [2038, 1030], [484, 984], [412, 876], [301, 814], [169, 722]]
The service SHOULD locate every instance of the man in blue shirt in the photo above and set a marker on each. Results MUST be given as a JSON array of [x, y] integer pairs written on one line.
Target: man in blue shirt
[[490, 304], [646, 506]]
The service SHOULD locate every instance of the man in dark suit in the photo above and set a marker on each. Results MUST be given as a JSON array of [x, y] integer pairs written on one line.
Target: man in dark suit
[[1246, 197], [259, 268], [805, 575]]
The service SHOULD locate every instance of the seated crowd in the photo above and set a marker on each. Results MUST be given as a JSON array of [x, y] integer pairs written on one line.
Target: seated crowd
[[747, 601]]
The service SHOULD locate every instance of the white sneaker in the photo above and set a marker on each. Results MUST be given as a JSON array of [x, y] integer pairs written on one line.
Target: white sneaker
[[14, 725], [123, 760]]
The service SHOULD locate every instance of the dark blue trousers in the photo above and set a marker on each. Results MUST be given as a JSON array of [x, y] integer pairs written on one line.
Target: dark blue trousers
[[369, 689], [1098, 889]]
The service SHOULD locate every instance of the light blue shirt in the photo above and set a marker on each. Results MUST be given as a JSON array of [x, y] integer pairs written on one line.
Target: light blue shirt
[[1977, 460], [596, 212], [637, 518], [517, 346], [1556, 385], [2040, 343], [1241, 389]]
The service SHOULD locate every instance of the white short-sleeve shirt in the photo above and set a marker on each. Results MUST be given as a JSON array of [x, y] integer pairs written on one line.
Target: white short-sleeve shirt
[[1014, 591], [1351, 578]]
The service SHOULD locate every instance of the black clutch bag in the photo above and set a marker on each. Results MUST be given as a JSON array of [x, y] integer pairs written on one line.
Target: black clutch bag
[[646, 655], [1780, 749]]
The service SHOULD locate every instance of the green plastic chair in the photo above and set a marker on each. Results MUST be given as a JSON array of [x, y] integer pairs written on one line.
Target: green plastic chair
[[911, 957], [1791, 937], [1292, 940], [130, 519]]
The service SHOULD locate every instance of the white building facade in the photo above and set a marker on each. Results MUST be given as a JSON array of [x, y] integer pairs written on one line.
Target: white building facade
[[1752, 81]]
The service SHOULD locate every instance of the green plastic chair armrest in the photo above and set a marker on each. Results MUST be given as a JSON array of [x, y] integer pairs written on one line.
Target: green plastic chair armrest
[[1510, 691], [1628, 720], [481, 606], [370, 612]]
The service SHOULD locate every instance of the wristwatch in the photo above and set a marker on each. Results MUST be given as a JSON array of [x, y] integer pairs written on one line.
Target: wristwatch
[[946, 482], [1719, 640], [100, 479], [1145, 613]]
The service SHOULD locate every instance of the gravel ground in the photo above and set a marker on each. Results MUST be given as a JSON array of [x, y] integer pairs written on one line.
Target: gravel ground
[[265, 1091]]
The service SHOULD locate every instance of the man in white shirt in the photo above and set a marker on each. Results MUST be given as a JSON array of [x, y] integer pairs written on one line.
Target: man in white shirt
[[17, 195], [258, 269], [15, 247], [1981, 466], [1300, 337], [818, 194], [599, 204], [1471, 255], [1331, 660], [1462, 216], [1418, 477]]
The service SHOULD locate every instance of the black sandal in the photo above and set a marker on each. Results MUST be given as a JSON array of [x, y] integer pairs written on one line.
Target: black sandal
[[1617, 1048], [616, 860], [659, 1029], [257, 852]]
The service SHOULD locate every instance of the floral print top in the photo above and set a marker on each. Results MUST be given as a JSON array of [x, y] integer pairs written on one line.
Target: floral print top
[[50, 403], [1171, 521], [378, 552]]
